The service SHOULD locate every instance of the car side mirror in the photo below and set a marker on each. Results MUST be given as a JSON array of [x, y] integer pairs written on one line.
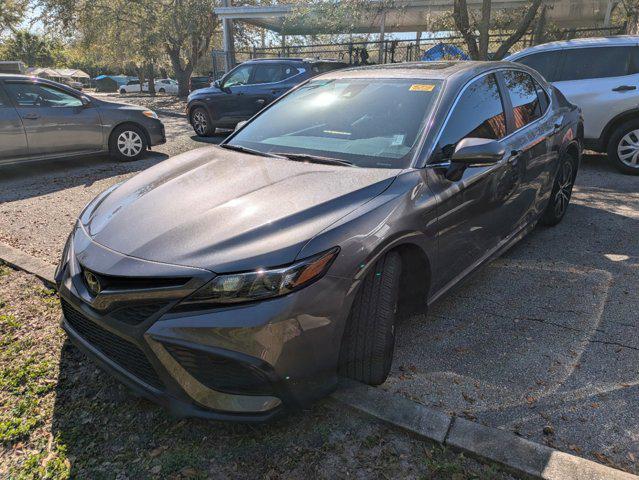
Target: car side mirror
[[473, 151], [86, 101], [240, 125], [217, 84], [478, 151]]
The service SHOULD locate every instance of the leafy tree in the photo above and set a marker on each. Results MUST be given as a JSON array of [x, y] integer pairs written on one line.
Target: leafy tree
[[34, 50], [11, 14]]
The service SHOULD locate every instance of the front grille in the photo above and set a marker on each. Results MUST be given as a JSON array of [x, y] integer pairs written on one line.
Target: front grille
[[220, 373], [113, 282], [120, 351], [137, 314]]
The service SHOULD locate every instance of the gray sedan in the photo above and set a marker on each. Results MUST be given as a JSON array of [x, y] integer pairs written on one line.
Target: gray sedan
[[41, 119], [232, 282]]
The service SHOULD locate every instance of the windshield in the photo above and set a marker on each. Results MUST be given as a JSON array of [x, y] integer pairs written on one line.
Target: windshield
[[369, 122]]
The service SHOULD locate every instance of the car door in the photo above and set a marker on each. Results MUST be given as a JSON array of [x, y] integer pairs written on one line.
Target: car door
[[471, 218], [269, 82], [235, 104], [532, 131], [13, 139], [602, 80], [55, 120]]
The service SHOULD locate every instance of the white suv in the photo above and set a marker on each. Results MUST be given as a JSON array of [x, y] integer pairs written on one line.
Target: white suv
[[600, 75]]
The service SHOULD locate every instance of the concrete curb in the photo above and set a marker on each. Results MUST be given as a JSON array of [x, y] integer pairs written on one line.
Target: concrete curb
[[491, 444], [516, 454], [23, 261]]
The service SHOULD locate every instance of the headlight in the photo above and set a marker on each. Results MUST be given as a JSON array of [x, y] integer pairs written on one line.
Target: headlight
[[150, 114], [260, 284]]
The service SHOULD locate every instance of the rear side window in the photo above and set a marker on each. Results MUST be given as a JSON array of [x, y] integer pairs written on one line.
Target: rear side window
[[479, 113], [522, 91], [594, 62], [545, 63], [269, 73], [323, 67]]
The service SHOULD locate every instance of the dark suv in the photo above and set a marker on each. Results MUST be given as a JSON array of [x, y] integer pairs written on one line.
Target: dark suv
[[248, 88]]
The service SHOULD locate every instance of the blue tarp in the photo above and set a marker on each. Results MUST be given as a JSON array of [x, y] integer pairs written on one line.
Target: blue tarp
[[443, 51]]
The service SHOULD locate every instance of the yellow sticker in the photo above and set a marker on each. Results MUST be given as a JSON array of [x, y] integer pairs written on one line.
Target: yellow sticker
[[420, 87]]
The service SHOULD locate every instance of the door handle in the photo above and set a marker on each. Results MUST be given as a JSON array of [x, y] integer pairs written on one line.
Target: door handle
[[260, 101], [31, 116], [514, 157], [624, 88]]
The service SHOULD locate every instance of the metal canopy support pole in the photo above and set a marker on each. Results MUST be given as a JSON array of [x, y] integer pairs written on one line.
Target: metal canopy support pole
[[284, 46], [418, 40], [382, 29], [228, 40]]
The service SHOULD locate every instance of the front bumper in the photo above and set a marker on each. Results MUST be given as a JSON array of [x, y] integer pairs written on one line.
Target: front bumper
[[157, 134], [244, 363]]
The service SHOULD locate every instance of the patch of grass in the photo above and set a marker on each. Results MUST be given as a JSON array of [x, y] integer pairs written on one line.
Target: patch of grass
[[8, 321], [52, 465], [4, 270]]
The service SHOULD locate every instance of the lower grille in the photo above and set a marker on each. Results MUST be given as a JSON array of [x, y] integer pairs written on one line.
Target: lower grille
[[120, 351], [137, 314], [220, 373]]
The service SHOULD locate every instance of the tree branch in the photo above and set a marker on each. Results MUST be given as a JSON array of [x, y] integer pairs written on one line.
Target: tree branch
[[460, 16], [519, 31]]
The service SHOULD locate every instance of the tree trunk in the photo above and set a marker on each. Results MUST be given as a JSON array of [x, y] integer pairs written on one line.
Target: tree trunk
[[182, 73], [519, 32], [140, 71], [632, 15], [151, 70], [540, 28], [484, 29], [460, 16]]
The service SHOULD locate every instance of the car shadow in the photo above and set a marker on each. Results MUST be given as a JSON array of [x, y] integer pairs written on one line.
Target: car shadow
[[215, 139], [544, 335], [31, 179]]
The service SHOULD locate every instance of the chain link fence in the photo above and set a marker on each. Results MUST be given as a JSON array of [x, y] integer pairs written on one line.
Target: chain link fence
[[396, 51]]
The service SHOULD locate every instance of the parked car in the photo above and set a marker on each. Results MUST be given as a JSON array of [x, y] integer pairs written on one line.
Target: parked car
[[165, 85], [74, 84], [41, 119], [195, 83], [132, 86], [248, 88], [234, 281], [601, 75]]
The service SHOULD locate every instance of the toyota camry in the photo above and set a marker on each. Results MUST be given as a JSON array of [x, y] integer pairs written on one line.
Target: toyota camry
[[240, 280]]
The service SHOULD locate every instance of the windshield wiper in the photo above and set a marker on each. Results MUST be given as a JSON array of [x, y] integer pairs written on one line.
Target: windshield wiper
[[305, 157], [250, 151]]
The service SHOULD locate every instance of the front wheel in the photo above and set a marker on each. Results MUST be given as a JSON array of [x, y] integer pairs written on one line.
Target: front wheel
[[122, 91], [623, 147], [162, 90], [201, 123], [561, 192], [127, 143], [369, 337]]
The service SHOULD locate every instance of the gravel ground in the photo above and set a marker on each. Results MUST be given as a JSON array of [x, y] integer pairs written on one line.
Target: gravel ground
[[542, 342], [61, 417]]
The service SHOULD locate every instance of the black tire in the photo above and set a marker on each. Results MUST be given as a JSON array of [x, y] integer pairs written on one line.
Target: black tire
[[127, 143], [617, 142], [122, 91], [369, 336], [201, 122], [561, 192], [162, 90]]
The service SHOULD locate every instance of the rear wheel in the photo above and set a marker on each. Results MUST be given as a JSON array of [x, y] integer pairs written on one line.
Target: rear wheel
[[127, 143], [162, 90], [122, 91], [561, 192], [201, 123], [369, 337], [623, 147]]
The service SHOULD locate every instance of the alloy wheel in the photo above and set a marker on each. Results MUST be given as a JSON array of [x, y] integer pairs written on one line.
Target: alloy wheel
[[200, 123], [129, 143], [628, 149], [565, 180]]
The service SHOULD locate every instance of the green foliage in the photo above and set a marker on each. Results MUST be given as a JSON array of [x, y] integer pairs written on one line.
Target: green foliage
[[33, 50], [11, 14]]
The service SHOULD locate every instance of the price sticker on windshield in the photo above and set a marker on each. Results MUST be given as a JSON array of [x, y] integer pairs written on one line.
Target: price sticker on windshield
[[421, 87]]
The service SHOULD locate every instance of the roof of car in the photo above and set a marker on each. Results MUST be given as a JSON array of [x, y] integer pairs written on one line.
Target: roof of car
[[579, 43], [430, 70]]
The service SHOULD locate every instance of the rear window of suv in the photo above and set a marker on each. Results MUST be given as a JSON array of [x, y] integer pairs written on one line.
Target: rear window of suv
[[584, 63]]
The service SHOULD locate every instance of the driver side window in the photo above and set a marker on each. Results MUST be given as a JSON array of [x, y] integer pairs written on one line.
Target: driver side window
[[37, 95], [479, 113], [239, 76]]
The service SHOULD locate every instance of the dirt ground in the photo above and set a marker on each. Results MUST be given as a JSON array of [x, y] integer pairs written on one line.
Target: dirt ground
[[61, 417]]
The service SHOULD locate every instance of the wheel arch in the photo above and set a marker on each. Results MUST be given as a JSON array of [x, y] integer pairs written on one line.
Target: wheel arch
[[147, 137], [614, 123]]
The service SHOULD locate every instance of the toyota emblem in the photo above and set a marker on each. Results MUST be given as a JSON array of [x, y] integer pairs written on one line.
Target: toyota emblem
[[92, 282]]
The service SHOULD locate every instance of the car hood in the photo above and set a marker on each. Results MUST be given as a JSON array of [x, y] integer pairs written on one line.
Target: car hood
[[118, 106], [228, 211]]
